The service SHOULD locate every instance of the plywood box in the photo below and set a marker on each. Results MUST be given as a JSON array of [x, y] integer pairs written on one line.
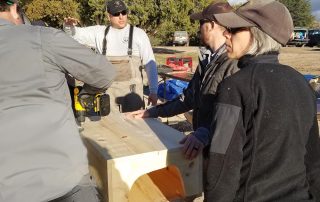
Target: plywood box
[[140, 160]]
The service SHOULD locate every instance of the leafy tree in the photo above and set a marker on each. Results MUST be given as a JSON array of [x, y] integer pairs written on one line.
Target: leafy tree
[[300, 11], [92, 12], [51, 11], [85, 12], [159, 18]]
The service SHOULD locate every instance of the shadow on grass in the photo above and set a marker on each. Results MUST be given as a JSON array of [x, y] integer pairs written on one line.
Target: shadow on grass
[[166, 51], [316, 49]]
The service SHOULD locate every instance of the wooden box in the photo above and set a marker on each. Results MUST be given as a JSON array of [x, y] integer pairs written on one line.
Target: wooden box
[[140, 160]]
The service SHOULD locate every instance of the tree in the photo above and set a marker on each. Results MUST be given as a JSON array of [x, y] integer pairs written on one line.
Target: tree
[[51, 11], [160, 18], [300, 11], [92, 12]]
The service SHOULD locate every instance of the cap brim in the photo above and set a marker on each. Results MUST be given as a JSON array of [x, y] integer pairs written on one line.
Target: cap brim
[[197, 16], [232, 20], [11, 2]]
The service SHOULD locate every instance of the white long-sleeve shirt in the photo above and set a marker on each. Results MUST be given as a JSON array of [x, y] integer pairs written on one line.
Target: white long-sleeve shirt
[[117, 45]]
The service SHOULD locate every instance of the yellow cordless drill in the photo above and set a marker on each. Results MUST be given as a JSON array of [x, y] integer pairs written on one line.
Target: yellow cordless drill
[[90, 105]]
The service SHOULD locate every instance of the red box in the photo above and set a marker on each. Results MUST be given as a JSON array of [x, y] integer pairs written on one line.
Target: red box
[[179, 63]]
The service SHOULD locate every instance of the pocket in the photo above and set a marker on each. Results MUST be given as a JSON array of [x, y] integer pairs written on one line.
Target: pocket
[[123, 70]]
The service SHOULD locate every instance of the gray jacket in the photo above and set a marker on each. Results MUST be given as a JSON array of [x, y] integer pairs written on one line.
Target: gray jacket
[[42, 156]]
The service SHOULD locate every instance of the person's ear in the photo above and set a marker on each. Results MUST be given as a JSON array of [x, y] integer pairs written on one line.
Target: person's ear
[[15, 14], [108, 16]]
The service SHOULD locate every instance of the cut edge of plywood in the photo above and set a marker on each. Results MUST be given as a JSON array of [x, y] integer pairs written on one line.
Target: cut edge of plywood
[[189, 116], [161, 185], [169, 181], [184, 175], [98, 169], [144, 189]]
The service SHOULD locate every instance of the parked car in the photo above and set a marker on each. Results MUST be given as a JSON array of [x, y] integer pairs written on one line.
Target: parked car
[[180, 38], [314, 37], [299, 37]]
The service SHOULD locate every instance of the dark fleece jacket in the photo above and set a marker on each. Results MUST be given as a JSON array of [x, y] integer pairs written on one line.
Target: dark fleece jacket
[[265, 143]]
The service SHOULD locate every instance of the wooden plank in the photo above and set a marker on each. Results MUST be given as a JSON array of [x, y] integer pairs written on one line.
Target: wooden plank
[[189, 116], [121, 150]]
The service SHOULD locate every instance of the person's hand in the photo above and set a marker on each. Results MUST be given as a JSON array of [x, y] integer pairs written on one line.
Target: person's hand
[[152, 99], [70, 21], [137, 114], [191, 146]]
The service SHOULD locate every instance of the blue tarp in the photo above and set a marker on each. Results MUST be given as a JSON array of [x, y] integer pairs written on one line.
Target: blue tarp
[[173, 88], [308, 77]]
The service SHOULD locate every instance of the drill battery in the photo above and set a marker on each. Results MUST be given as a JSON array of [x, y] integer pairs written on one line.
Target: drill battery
[[88, 105]]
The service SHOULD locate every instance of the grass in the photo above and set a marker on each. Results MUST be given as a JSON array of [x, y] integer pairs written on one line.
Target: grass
[[161, 57]]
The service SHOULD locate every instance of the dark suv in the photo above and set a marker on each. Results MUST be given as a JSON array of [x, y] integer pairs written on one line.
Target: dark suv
[[314, 37], [299, 37]]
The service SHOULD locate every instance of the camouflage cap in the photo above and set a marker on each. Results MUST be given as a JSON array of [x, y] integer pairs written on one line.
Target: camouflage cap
[[116, 6]]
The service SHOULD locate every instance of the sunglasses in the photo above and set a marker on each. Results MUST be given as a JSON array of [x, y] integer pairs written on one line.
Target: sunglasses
[[235, 30], [122, 13]]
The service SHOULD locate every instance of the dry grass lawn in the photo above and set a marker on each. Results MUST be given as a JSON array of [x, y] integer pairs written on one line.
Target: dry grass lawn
[[305, 60]]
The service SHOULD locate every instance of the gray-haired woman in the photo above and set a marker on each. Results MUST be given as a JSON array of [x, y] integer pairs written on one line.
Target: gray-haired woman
[[264, 136]]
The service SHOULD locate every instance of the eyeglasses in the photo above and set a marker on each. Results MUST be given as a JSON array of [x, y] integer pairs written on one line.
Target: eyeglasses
[[235, 30], [122, 13]]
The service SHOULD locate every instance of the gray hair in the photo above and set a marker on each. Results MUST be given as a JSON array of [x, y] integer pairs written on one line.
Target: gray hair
[[262, 43]]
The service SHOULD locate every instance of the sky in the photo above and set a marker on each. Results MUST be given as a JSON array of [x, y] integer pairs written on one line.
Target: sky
[[315, 6]]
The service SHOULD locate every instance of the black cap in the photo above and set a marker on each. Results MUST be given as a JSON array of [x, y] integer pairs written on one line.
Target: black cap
[[9, 2], [209, 12], [116, 6]]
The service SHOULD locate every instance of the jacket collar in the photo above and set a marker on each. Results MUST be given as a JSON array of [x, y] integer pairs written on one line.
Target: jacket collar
[[271, 57], [214, 58], [5, 22]]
